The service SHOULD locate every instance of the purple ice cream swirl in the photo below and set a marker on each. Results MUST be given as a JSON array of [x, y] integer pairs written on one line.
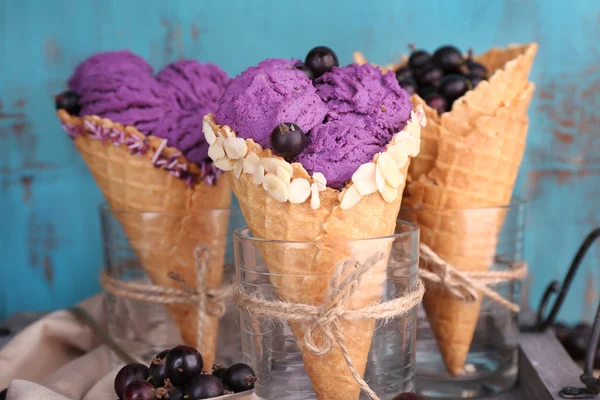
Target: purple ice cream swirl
[[121, 86], [348, 114]]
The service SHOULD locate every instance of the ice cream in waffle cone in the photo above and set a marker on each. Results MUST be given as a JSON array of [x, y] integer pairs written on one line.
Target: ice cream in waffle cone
[[138, 135], [326, 202], [469, 158]]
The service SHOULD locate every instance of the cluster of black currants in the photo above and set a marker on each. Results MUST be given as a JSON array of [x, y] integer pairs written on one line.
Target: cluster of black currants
[[442, 77], [177, 374]]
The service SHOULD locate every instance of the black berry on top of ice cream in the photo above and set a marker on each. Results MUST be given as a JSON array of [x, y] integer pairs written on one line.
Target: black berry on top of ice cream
[[307, 71], [68, 101], [287, 140], [321, 59]]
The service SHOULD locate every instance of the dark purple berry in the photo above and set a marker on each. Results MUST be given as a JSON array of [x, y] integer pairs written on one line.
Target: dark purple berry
[[307, 71], [288, 140], [183, 363], [577, 342], [158, 369], [409, 396], [475, 68], [474, 79], [448, 58], [176, 394], [418, 58], [219, 371], [425, 91], [453, 86], [561, 331], [128, 374], [204, 386], [429, 75], [408, 84], [68, 101], [437, 102], [321, 59], [239, 378], [139, 390], [403, 72]]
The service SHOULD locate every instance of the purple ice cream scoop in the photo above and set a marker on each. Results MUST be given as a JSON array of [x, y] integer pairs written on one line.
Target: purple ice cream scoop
[[256, 101], [357, 111], [109, 62], [120, 86], [366, 108], [194, 84]]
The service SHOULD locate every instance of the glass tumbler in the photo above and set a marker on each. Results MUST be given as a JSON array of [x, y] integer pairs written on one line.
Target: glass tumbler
[[158, 248], [314, 274], [475, 240]]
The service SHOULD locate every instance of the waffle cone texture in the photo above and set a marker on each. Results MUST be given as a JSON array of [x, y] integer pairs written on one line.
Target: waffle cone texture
[[301, 271], [164, 244], [470, 158]]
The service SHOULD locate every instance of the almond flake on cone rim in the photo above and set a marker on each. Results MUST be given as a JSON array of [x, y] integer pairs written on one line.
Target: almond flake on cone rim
[[469, 158], [183, 221]]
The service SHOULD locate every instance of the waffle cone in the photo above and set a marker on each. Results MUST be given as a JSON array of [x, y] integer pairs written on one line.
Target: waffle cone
[[167, 242], [301, 272], [469, 158]]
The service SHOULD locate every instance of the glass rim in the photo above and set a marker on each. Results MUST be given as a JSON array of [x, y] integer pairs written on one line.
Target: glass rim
[[515, 202], [240, 233], [105, 207]]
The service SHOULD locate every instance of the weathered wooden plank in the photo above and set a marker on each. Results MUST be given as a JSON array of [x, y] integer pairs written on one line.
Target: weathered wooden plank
[[545, 367]]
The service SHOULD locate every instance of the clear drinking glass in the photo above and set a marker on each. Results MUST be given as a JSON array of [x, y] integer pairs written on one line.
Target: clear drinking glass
[[138, 249], [478, 239], [300, 272]]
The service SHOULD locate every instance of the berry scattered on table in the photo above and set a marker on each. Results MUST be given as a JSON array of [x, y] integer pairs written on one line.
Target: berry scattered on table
[[176, 374], [409, 396], [239, 378], [183, 363], [129, 374]]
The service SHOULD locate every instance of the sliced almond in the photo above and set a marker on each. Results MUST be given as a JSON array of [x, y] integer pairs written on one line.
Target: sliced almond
[[224, 163], [379, 180], [351, 197], [235, 147], [237, 168], [389, 193], [387, 166], [315, 200], [276, 187], [251, 162], [364, 179], [398, 154], [271, 164], [209, 134], [216, 151], [283, 174], [299, 190], [320, 180], [259, 175], [408, 144]]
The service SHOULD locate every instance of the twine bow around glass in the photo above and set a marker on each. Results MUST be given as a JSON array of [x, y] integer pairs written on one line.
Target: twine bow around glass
[[333, 318]]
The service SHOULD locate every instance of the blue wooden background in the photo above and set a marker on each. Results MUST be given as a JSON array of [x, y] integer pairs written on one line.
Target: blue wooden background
[[50, 251]]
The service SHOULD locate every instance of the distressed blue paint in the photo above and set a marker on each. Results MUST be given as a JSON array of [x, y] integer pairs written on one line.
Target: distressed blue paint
[[41, 42]]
